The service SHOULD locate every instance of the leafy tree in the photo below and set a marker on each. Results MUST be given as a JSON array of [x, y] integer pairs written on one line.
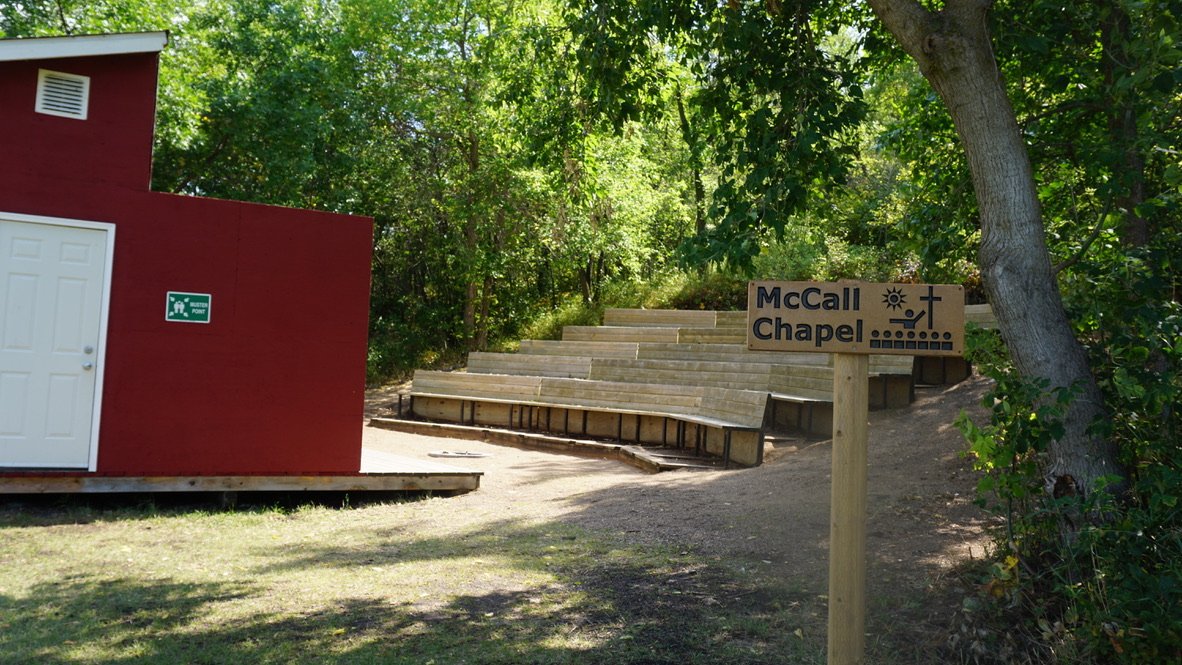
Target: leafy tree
[[785, 101], [771, 99]]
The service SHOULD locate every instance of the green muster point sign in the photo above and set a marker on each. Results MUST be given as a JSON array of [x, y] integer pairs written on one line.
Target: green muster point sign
[[187, 307]]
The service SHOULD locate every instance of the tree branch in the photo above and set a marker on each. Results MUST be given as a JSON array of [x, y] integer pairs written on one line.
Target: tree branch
[[908, 21], [1063, 265], [61, 15], [1056, 110]]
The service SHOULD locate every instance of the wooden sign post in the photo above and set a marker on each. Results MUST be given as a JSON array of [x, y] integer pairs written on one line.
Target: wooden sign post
[[853, 320], [847, 509]]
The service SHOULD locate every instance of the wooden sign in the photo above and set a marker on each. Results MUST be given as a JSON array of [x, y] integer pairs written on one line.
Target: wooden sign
[[853, 320], [856, 317]]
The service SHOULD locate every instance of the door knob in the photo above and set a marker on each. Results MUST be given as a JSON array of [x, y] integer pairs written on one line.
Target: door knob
[[87, 366]]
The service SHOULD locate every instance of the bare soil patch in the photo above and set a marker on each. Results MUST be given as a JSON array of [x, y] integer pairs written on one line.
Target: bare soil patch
[[771, 521]]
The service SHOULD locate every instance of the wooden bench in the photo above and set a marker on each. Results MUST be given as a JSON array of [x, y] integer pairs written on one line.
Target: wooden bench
[[723, 422], [657, 318], [674, 318], [980, 315], [712, 335], [668, 351], [551, 347], [618, 334], [524, 364], [888, 389], [726, 352], [731, 320], [682, 335]]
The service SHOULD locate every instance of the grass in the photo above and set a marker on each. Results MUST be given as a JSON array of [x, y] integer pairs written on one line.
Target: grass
[[381, 583], [672, 290]]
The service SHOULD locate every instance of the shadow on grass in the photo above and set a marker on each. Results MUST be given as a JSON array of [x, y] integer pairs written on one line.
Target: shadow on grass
[[57, 509], [601, 612], [91, 620], [606, 602], [597, 585]]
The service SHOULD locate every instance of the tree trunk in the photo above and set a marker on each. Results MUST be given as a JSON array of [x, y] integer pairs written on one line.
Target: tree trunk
[[1122, 125], [469, 147], [585, 277], [955, 55], [485, 305], [694, 146]]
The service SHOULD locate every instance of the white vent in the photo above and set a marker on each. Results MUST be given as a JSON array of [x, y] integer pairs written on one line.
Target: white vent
[[60, 94]]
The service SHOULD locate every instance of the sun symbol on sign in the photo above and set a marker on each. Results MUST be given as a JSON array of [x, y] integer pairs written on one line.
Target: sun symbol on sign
[[894, 298]]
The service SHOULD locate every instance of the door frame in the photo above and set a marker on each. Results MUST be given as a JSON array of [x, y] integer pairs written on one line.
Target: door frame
[[100, 357]]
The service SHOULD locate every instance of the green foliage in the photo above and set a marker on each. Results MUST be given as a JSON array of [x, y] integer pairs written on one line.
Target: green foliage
[[1124, 304], [777, 132], [710, 290], [716, 290], [1134, 323], [1094, 87], [458, 128], [1126, 603], [573, 312], [1025, 417], [796, 259], [1108, 591]]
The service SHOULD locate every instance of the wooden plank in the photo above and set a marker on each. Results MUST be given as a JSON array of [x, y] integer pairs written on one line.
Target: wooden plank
[[493, 386], [880, 364], [725, 353], [577, 367], [659, 318], [744, 407], [754, 380], [982, 315], [443, 378], [737, 319], [805, 372], [611, 393], [618, 334], [576, 348], [847, 525], [711, 335], [374, 482], [820, 388], [689, 365]]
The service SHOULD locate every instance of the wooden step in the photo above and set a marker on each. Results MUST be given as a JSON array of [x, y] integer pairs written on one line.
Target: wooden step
[[574, 367], [618, 334], [659, 318]]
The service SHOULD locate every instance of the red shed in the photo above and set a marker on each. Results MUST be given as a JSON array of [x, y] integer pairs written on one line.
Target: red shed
[[146, 334]]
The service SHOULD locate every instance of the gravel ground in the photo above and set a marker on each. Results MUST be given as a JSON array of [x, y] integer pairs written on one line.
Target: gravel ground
[[922, 523]]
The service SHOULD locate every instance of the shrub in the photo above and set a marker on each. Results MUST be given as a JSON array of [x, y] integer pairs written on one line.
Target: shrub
[[1099, 582]]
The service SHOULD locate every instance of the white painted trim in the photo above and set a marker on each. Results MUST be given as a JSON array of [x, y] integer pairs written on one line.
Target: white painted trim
[[100, 357], [43, 48]]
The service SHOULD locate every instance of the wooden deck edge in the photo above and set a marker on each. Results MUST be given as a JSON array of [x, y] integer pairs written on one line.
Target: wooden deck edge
[[367, 482], [664, 459], [637, 456], [530, 440]]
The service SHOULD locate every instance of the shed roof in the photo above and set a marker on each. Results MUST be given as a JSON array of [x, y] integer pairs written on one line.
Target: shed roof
[[44, 48]]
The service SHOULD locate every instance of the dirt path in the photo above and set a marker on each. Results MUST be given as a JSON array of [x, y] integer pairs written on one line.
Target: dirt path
[[775, 518]]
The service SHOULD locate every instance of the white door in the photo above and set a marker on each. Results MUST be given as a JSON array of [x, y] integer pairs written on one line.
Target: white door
[[54, 285]]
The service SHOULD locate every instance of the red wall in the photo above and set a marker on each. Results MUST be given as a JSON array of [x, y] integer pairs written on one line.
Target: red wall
[[274, 384], [112, 146]]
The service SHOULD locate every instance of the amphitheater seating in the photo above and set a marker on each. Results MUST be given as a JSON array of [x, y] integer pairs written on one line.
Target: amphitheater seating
[[669, 377], [727, 423]]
